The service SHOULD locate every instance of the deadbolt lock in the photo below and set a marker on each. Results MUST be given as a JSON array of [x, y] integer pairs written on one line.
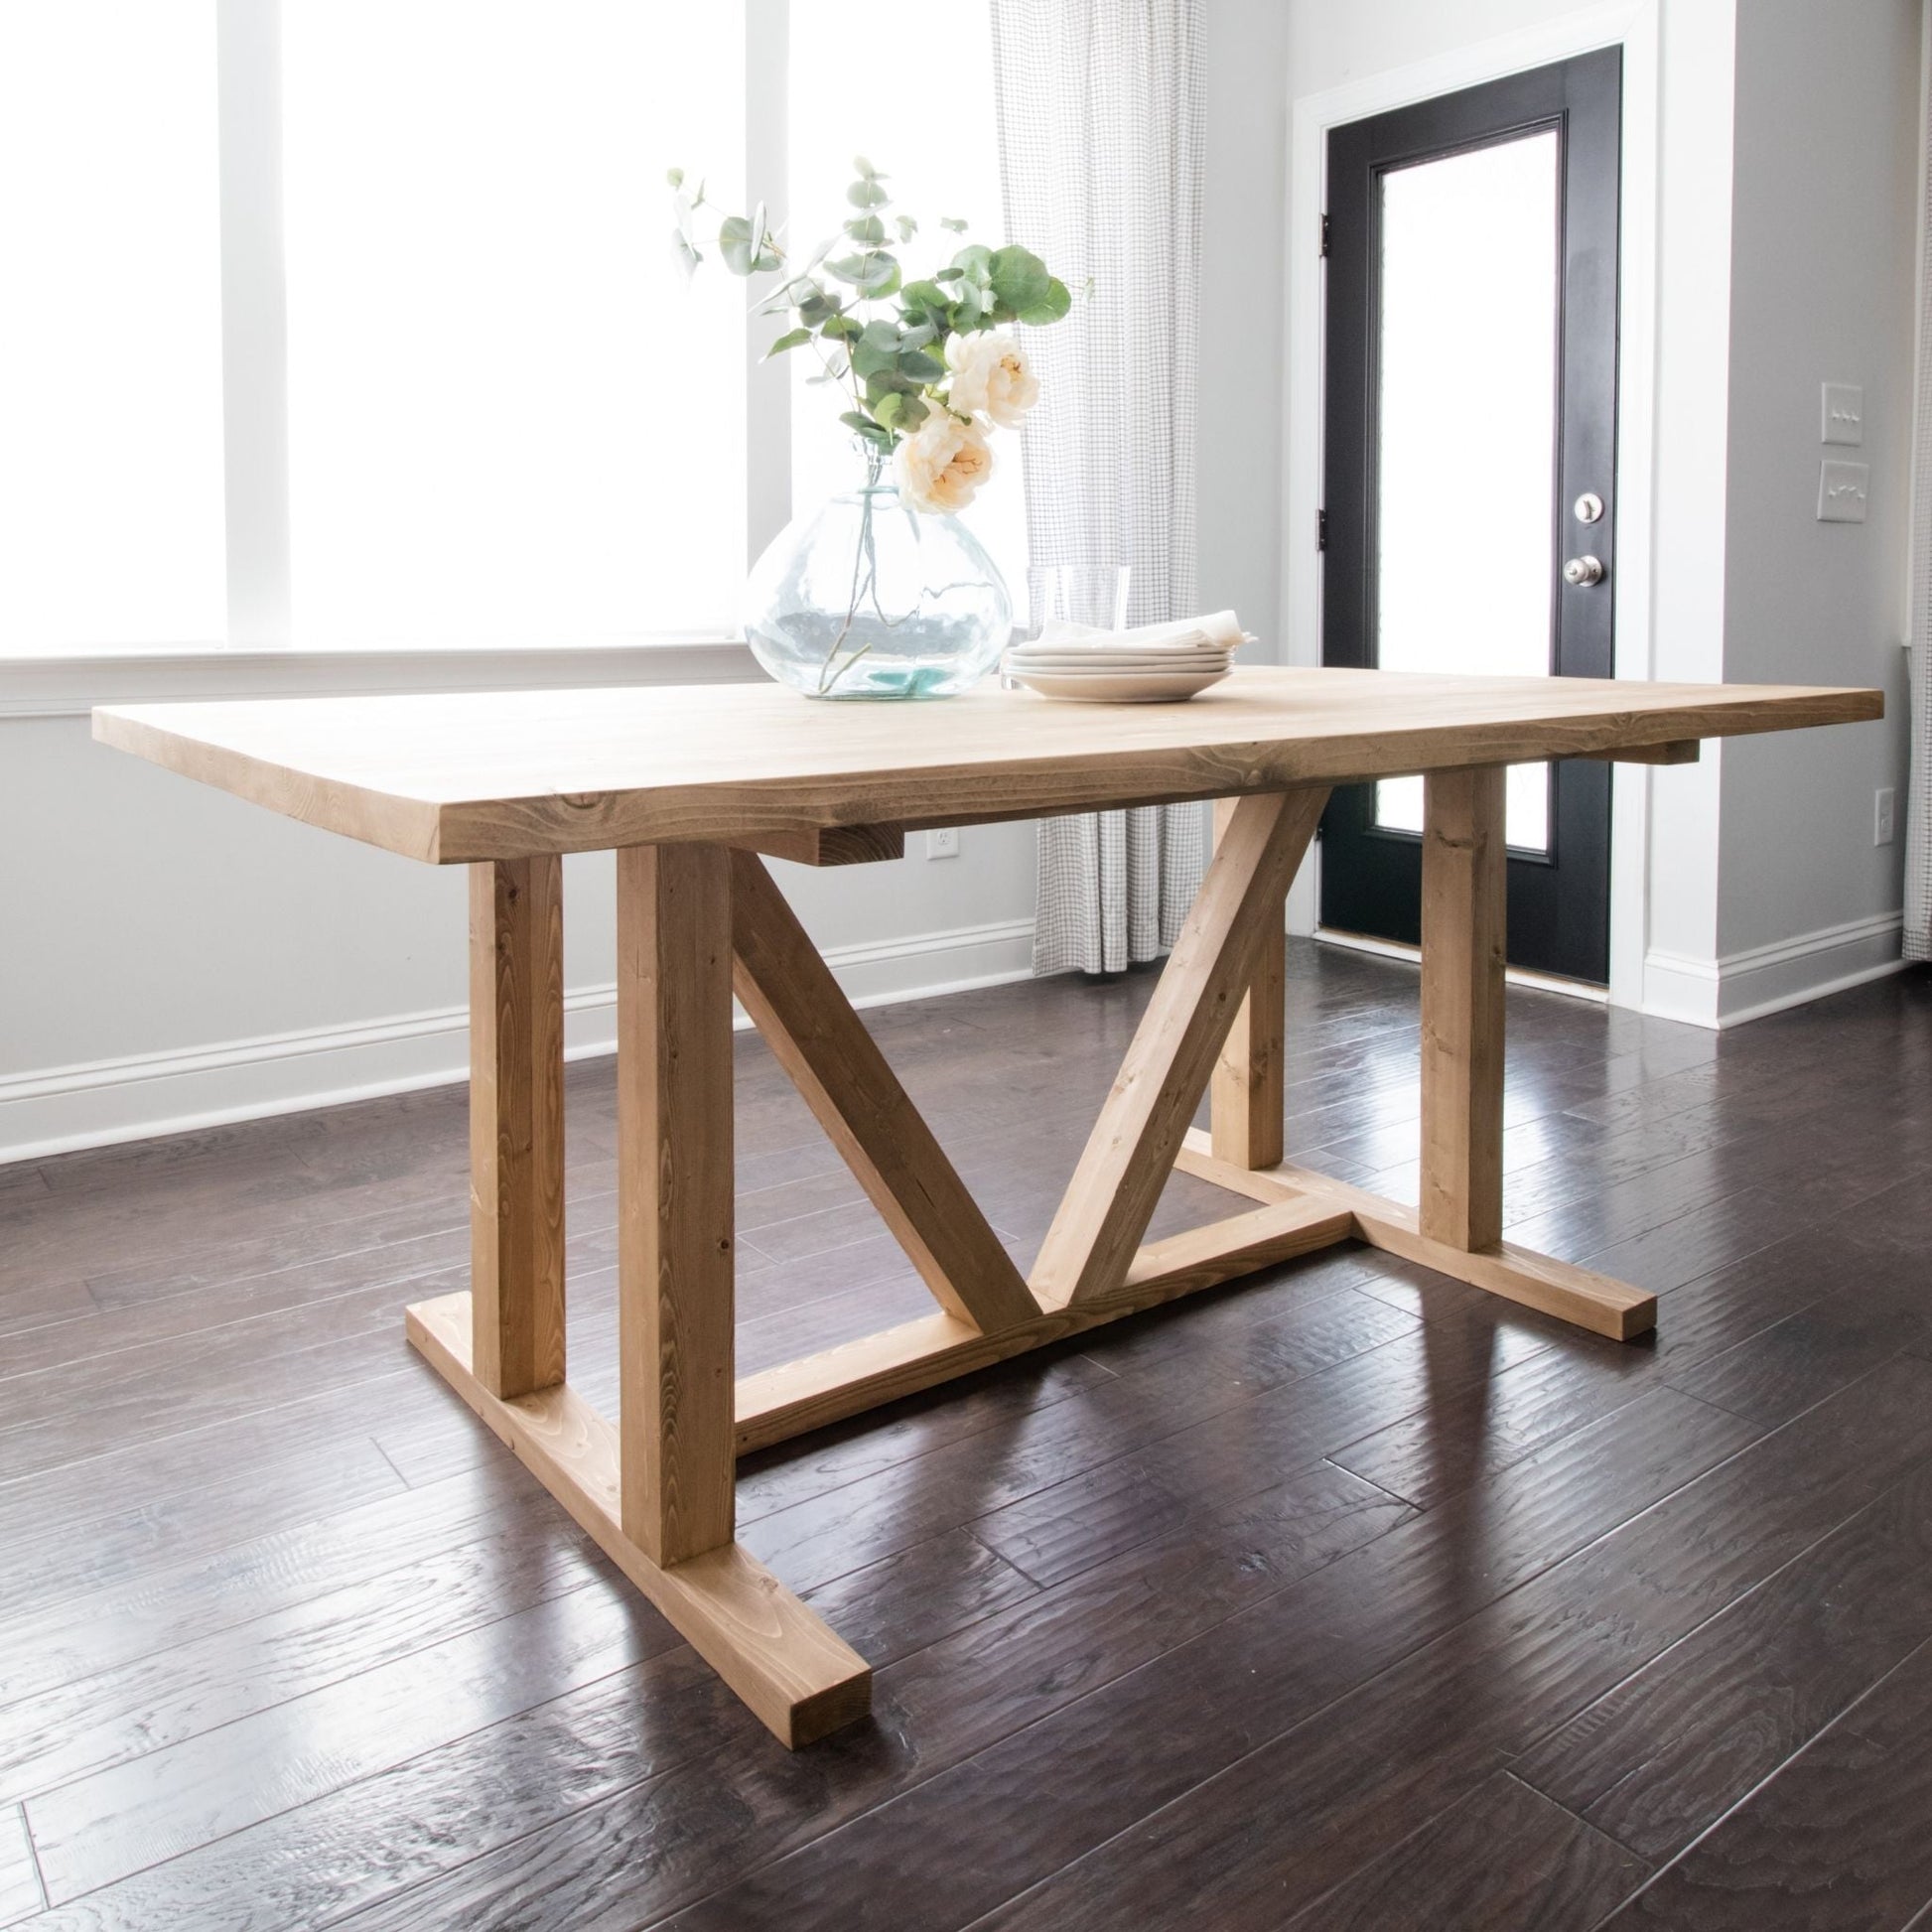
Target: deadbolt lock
[[1589, 507]]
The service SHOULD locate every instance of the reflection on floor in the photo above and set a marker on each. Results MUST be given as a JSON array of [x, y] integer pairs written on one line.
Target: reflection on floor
[[1348, 1597]]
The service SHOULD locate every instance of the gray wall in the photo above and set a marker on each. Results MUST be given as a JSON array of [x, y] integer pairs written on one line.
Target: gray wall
[[1823, 227]]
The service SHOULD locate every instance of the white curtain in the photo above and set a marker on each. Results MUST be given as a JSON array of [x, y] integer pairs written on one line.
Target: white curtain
[[1100, 157]]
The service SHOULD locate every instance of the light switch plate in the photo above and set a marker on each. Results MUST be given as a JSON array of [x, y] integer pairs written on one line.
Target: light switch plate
[[1841, 492], [1842, 413]]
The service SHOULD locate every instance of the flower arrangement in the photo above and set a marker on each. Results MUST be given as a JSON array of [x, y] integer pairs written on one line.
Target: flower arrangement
[[930, 365]]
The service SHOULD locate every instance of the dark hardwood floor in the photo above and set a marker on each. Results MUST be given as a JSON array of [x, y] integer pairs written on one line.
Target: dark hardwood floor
[[1350, 1597]]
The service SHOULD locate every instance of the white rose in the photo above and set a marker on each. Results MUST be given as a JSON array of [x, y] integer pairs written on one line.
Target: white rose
[[942, 463], [991, 377]]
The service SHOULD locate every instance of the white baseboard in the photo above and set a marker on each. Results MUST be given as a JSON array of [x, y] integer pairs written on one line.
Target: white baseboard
[[101, 1102], [1746, 985]]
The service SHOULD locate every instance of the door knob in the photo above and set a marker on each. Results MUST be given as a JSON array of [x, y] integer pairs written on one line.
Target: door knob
[[1582, 572]]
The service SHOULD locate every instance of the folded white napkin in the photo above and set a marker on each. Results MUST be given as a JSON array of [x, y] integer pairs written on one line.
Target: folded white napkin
[[1217, 630]]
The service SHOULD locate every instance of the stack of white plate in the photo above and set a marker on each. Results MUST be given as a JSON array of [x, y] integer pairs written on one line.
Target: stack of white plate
[[1117, 673]]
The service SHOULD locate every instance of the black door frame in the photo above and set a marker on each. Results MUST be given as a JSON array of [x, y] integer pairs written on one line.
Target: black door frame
[[1559, 902]]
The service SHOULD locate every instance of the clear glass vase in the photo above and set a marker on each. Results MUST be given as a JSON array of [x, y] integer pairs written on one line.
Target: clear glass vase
[[867, 597]]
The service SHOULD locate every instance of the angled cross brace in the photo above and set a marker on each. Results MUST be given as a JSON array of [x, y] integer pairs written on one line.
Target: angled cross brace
[[836, 1065], [1131, 1153]]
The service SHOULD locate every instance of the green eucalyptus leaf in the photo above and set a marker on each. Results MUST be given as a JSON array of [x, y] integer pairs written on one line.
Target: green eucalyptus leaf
[[1056, 305], [791, 338], [874, 274], [914, 412], [675, 176], [922, 368], [924, 295], [1019, 279], [864, 168], [949, 275], [866, 193], [953, 222], [889, 409], [919, 335], [686, 257], [866, 229], [907, 227], [734, 244]]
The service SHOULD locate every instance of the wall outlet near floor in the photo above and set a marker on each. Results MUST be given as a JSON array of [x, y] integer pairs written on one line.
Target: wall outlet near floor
[[942, 842], [1883, 817]]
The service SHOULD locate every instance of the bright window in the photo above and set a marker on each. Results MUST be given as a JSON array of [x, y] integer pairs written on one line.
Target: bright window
[[456, 341], [509, 417], [110, 329], [956, 174]]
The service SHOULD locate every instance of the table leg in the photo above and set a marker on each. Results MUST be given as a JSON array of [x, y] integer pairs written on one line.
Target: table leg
[[1458, 1228], [516, 1124], [674, 1197], [1245, 1100], [655, 1492], [1463, 918]]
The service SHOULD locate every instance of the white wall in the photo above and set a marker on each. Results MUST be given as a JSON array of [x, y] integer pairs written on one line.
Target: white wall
[[171, 955]]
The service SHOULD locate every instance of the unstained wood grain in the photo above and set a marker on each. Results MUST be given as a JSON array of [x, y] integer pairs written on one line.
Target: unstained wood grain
[[674, 1197], [456, 778], [1462, 941], [516, 1122]]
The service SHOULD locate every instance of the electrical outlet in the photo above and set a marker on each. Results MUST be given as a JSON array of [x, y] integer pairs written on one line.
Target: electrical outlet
[[942, 842], [1883, 818]]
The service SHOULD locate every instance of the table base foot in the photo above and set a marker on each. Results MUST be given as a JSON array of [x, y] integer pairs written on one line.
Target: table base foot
[[1558, 1287], [799, 1678]]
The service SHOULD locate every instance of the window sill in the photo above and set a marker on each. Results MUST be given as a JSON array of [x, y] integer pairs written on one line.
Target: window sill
[[70, 684]]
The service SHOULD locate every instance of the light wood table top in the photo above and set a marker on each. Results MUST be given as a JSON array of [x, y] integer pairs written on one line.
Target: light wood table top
[[511, 774]]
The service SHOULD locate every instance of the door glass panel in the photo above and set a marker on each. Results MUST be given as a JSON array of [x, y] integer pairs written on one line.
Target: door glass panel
[[1467, 429]]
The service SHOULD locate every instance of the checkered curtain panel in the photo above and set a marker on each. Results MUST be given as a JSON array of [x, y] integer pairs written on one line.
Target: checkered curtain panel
[[1100, 157]]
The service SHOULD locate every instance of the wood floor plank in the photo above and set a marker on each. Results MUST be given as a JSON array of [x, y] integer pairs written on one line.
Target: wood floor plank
[[89, 1724], [1666, 1753], [1836, 1841], [1506, 1858], [111, 1823], [171, 1603]]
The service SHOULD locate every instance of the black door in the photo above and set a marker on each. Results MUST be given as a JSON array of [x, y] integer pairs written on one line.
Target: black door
[[1470, 457]]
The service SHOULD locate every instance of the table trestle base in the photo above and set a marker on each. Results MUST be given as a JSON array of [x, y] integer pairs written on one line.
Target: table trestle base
[[654, 1488]]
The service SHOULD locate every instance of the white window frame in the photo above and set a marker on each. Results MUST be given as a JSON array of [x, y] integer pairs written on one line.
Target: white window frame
[[257, 657]]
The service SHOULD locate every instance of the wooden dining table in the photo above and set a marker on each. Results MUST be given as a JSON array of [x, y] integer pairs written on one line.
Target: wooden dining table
[[694, 787]]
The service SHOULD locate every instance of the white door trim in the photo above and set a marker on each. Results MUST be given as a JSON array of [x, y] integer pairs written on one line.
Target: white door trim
[[1634, 26]]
